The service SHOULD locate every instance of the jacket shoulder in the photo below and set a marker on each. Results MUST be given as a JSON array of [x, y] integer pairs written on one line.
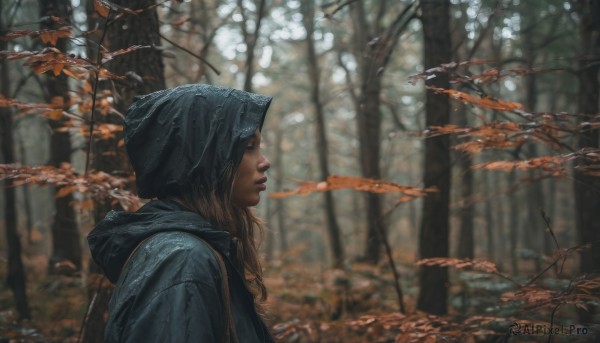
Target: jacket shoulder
[[171, 280], [175, 256]]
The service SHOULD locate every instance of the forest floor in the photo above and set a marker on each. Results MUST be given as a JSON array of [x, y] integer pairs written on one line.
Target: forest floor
[[311, 304]]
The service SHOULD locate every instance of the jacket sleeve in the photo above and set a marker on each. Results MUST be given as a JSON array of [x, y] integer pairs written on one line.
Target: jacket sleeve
[[171, 292]]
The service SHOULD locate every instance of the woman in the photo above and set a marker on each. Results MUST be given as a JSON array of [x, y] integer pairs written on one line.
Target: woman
[[185, 265]]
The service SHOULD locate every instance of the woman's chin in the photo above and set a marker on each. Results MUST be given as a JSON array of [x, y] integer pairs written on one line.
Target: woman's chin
[[248, 202]]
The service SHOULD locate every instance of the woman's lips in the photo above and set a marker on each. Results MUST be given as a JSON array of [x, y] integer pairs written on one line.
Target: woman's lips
[[261, 183]]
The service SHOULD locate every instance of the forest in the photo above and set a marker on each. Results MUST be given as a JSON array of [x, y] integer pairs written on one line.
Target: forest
[[435, 164]]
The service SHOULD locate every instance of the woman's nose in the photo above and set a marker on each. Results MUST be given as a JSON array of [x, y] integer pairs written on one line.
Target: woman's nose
[[264, 164]]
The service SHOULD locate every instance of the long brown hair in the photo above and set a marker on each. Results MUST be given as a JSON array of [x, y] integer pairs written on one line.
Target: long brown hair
[[216, 207]]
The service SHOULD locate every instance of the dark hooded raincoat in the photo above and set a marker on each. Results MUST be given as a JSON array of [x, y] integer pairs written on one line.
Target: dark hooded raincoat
[[169, 286]]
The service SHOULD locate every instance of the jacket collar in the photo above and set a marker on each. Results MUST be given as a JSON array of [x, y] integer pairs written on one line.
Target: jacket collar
[[119, 233]]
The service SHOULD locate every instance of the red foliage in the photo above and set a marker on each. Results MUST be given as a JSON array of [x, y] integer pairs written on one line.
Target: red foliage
[[392, 327], [96, 184], [52, 59], [476, 265], [556, 164], [105, 7], [335, 182], [47, 36], [484, 102], [581, 292]]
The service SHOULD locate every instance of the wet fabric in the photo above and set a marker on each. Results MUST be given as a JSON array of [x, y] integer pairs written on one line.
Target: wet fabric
[[170, 289], [189, 133]]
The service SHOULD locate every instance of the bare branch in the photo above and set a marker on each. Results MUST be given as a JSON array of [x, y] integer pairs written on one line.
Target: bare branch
[[191, 53]]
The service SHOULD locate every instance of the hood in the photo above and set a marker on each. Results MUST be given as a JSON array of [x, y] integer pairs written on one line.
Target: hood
[[119, 233], [190, 133]]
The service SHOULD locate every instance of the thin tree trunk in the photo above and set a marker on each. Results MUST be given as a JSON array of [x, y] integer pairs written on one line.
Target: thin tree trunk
[[500, 233], [514, 224], [333, 230], [15, 277], [587, 187], [250, 38], [433, 235], [368, 117], [26, 192], [279, 206], [269, 234], [490, 226], [535, 197], [66, 241], [466, 240]]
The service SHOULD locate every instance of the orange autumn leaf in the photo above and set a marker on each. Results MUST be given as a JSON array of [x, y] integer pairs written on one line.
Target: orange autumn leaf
[[102, 8], [485, 102], [335, 182], [473, 147], [42, 68], [460, 264], [489, 75], [52, 59], [15, 34], [58, 68], [58, 101], [87, 87], [555, 164], [96, 183], [104, 73], [64, 191], [52, 36], [107, 56], [31, 107], [107, 131], [55, 114], [78, 74], [494, 135]]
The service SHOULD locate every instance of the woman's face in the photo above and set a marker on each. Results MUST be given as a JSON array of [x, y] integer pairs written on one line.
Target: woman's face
[[250, 177]]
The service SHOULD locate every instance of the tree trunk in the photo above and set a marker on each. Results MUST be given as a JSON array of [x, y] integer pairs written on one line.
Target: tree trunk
[[140, 29], [146, 64], [433, 236], [490, 226], [587, 187], [534, 196], [279, 206], [466, 240], [146, 74], [333, 230], [26, 192], [66, 243], [513, 223], [250, 38], [368, 117], [15, 275]]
